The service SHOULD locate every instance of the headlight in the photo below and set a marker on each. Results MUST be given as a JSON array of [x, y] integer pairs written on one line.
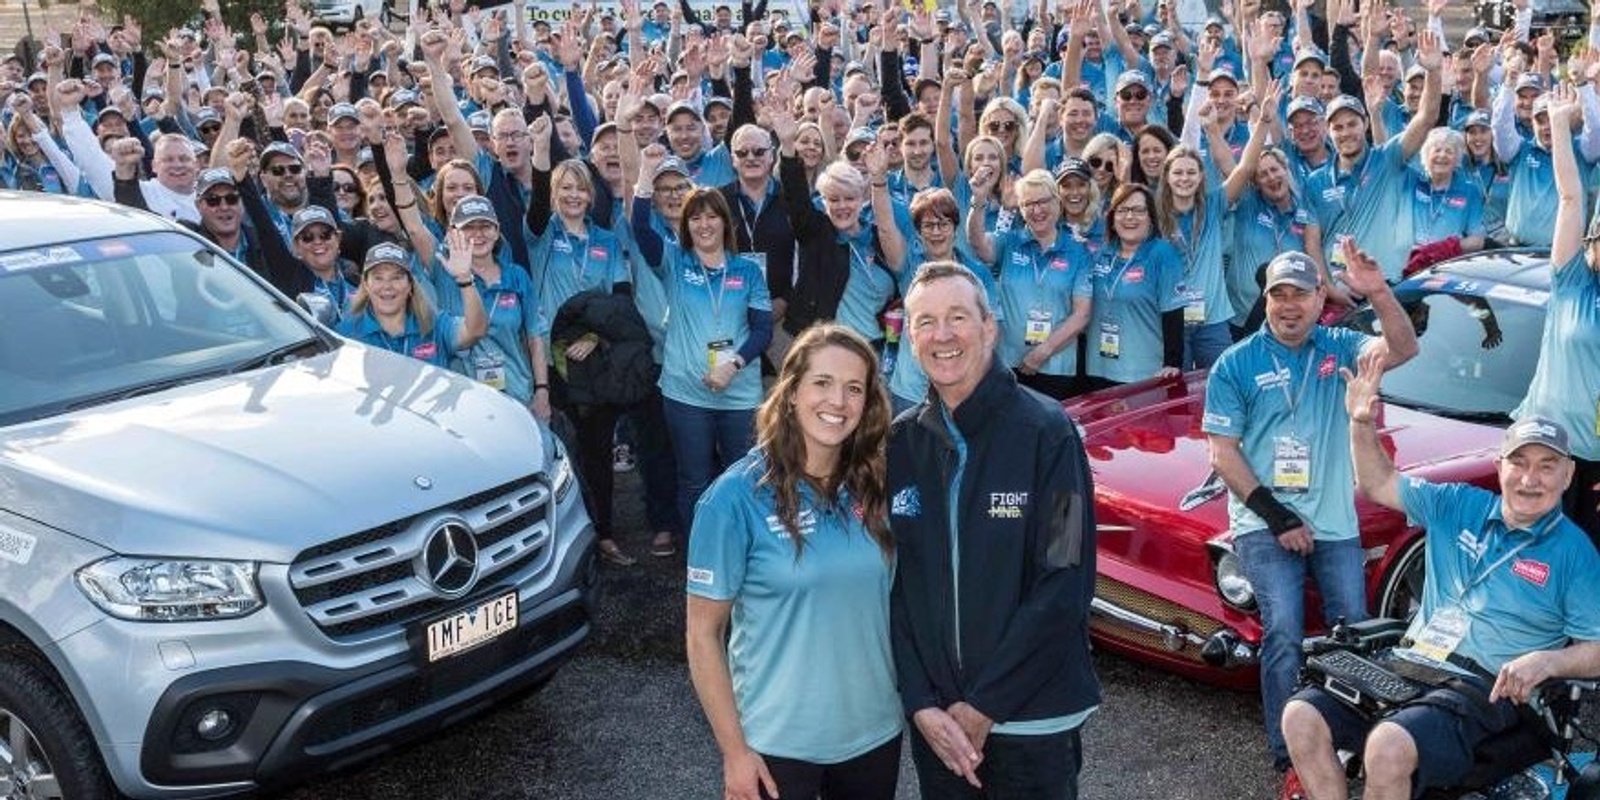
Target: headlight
[[560, 466], [155, 590], [1234, 587]]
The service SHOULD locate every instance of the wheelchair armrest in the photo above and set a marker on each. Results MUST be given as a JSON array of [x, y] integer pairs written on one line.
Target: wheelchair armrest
[[1368, 636]]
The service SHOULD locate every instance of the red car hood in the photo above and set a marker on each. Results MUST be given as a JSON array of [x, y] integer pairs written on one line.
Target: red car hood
[[1147, 452]]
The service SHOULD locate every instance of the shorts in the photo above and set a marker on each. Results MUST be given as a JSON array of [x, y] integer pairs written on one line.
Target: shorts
[[1446, 724]]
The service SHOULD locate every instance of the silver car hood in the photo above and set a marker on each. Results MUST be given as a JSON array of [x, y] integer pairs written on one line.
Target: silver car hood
[[298, 451]]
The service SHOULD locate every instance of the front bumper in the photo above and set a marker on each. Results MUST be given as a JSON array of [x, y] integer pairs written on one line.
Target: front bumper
[[1141, 622]]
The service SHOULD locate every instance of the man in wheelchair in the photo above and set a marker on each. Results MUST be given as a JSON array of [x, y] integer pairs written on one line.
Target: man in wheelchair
[[1512, 599]]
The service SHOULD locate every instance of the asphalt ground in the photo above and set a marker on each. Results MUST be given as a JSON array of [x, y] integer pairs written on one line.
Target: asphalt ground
[[621, 721]]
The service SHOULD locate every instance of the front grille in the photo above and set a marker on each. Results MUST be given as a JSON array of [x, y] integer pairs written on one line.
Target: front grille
[[1148, 605], [441, 680], [368, 580]]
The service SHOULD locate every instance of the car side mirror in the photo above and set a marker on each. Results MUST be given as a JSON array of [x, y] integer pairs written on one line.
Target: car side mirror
[[319, 306]]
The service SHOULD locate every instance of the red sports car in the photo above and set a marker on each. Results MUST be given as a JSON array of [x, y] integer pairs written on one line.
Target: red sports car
[[1170, 590]]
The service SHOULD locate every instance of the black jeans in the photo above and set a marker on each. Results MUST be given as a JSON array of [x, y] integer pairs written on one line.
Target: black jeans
[[1013, 768], [596, 427], [869, 776]]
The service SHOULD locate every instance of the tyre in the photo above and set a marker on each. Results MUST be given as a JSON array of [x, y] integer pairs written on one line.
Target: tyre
[[45, 748], [1400, 594]]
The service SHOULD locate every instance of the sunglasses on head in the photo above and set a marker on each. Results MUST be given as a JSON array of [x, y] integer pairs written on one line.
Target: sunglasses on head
[[754, 152], [307, 237], [280, 170], [1008, 126], [1134, 94], [214, 200]]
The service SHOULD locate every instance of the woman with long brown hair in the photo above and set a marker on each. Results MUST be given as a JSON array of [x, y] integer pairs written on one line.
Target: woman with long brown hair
[[803, 704]]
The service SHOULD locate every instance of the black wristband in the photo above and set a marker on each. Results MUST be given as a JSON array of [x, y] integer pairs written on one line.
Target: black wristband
[[1277, 515]]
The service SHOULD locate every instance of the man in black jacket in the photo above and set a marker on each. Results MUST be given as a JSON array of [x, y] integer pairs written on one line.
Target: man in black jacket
[[991, 505]]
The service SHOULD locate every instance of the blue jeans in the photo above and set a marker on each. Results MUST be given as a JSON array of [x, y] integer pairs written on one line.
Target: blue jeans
[[704, 441], [1203, 343], [1013, 768], [1279, 579]]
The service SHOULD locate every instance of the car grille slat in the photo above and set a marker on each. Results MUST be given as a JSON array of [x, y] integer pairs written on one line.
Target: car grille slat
[[1148, 605], [367, 581]]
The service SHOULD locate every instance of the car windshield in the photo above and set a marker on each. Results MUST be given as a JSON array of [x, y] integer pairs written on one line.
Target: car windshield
[[105, 319], [1480, 342]]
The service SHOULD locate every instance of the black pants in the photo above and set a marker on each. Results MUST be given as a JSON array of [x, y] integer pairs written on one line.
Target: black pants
[[1581, 498], [596, 427], [869, 776], [1055, 387], [1014, 768]]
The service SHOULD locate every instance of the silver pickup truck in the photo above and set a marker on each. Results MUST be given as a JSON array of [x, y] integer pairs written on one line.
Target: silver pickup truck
[[235, 549]]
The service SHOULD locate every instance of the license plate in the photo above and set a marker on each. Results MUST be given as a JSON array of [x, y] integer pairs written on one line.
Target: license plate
[[472, 627]]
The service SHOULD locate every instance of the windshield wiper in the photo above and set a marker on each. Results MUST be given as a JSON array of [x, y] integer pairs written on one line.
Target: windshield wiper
[[135, 391], [280, 354], [1449, 413]]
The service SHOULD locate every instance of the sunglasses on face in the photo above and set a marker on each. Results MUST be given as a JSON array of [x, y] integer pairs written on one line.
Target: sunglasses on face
[[307, 237], [1002, 127], [345, 188], [280, 170], [754, 152], [207, 130], [215, 200], [1101, 163], [1134, 94]]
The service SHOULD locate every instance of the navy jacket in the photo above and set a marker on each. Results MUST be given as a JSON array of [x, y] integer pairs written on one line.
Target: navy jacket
[[1007, 632]]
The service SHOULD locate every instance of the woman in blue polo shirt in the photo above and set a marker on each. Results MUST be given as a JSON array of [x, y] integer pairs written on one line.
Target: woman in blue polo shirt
[[1446, 206], [788, 584], [1044, 285], [1190, 212], [390, 312], [721, 321], [1136, 327]]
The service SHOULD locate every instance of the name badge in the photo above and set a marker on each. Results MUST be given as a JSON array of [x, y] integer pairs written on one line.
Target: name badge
[[489, 370], [1038, 327], [1291, 465], [1110, 340], [719, 352], [1442, 635]]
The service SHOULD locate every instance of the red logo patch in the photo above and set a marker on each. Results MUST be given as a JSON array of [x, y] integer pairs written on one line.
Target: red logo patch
[[1534, 572], [1058, 264], [1327, 367], [425, 351], [599, 252], [1457, 202], [507, 301], [859, 510], [735, 282], [1134, 275]]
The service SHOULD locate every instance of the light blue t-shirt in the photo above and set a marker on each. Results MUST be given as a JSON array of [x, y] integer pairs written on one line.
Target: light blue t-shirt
[[1369, 203], [1037, 287], [1286, 408], [1566, 382], [1261, 230], [1495, 186], [1532, 199], [1521, 590], [568, 263], [1436, 215], [710, 308], [436, 347], [501, 358], [867, 289], [1130, 295], [808, 650], [713, 167], [1199, 240]]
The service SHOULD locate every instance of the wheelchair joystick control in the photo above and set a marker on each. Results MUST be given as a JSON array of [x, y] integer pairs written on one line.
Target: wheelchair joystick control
[[1341, 632]]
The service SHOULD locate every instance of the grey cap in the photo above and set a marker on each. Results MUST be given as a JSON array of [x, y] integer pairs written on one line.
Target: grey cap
[[1415, 71], [105, 58], [341, 111], [402, 98], [683, 107], [1476, 119], [1217, 21], [1294, 268], [110, 109], [279, 149], [1223, 74], [1162, 39], [1535, 430], [1074, 168], [1530, 80], [1541, 105], [1132, 77], [311, 215], [482, 63], [1345, 102], [473, 208], [671, 164], [206, 116], [854, 67], [479, 121], [859, 136], [215, 176], [38, 77], [385, 253], [1310, 54], [1300, 104], [720, 101], [1481, 34]]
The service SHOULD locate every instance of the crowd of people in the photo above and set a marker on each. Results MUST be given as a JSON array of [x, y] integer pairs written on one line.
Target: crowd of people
[[744, 242]]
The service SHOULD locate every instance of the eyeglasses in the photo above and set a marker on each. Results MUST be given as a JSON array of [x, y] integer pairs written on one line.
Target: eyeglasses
[[1041, 202], [754, 152], [214, 200], [307, 237], [1132, 211], [676, 188], [509, 136], [1134, 94], [935, 225], [280, 170], [345, 188], [1002, 127], [1102, 163]]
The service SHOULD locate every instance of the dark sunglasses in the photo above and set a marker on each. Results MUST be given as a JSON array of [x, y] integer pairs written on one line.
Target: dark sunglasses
[[754, 152], [214, 200], [307, 237], [1101, 163], [1007, 126], [1134, 94], [208, 129], [345, 188], [280, 170]]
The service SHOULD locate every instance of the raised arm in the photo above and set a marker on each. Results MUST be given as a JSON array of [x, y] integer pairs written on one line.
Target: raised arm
[[1376, 477], [1430, 56], [890, 240], [943, 138], [978, 235], [1365, 276], [434, 44], [474, 322], [1243, 172], [1567, 236]]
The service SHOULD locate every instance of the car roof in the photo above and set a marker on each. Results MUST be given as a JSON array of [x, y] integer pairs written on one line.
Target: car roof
[[1528, 268], [29, 220]]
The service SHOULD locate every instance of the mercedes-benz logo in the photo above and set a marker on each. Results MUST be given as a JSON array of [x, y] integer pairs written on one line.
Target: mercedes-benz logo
[[449, 558]]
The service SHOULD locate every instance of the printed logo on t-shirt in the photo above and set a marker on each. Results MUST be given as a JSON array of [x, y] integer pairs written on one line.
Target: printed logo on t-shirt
[[805, 522], [1327, 367], [1214, 420], [735, 281], [425, 351], [704, 577], [1534, 572], [1135, 274], [507, 301], [1471, 544], [693, 277]]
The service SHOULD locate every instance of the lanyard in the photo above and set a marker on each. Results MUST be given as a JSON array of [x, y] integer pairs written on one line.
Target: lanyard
[[722, 288], [583, 264], [1116, 280], [1300, 394], [404, 347], [747, 218], [856, 259]]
